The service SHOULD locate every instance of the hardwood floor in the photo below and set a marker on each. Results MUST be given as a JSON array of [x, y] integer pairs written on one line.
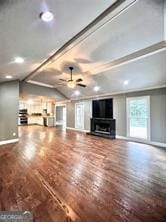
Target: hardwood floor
[[70, 176]]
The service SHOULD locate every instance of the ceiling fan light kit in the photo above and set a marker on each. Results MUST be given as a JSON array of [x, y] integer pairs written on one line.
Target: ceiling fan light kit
[[71, 84]]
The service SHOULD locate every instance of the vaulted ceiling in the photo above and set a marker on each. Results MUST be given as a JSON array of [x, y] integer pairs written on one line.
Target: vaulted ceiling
[[107, 42]]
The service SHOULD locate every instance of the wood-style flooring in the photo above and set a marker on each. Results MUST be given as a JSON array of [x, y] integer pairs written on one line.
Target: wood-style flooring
[[64, 176]]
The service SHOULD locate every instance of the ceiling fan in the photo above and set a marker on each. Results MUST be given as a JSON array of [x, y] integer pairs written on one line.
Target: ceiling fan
[[71, 83]]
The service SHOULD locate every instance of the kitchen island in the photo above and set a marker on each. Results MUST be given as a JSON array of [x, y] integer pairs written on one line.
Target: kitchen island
[[41, 120]]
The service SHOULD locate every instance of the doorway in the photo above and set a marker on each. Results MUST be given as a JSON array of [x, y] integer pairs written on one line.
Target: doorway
[[138, 117], [79, 116], [60, 116]]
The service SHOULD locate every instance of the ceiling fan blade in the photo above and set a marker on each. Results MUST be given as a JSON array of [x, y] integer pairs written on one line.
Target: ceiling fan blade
[[79, 80], [63, 80], [82, 85]]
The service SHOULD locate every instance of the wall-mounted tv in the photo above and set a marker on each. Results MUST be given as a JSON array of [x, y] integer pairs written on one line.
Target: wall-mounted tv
[[102, 108]]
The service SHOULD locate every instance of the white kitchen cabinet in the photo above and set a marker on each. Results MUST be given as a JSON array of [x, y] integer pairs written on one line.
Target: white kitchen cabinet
[[23, 105], [49, 121], [44, 105], [35, 120], [37, 107], [31, 120], [49, 107], [40, 120]]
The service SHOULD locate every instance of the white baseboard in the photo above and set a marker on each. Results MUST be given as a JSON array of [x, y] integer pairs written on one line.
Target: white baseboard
[[8, 141], [79, 130], [127, 138], [142, 141]]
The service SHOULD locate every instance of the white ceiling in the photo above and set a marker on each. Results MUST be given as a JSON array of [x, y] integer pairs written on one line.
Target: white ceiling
[[23, 33], [148, 72], [126, 46]]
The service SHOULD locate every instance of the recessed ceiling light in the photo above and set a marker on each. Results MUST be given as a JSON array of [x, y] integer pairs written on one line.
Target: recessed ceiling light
[[18, 60], [47, 16], [8, 77], [77, 93], [96, 88], [126, 82]]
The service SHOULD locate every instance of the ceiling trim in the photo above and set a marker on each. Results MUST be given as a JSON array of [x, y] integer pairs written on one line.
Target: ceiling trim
[[99, 21], [143, 53], [107, 19], [118, 93], [140, 54], [46, 85], [40, 84], [63, 102]]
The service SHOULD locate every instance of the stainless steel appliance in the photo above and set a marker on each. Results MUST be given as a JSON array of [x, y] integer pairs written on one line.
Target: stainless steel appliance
[[22, 117]]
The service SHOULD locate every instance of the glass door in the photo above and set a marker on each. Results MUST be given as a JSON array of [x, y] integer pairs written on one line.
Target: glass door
[[138, 117], [79, 116]]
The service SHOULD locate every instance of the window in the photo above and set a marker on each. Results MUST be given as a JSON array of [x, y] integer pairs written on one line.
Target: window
[[79, 116], [138, 117]]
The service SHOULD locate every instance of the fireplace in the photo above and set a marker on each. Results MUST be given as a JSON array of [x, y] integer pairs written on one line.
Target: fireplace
[[103, 127]]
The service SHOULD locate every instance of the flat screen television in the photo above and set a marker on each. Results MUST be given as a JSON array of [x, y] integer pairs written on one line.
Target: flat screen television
[[102, 108]]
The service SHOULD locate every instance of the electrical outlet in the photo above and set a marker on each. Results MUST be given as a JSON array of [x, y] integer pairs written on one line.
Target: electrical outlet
[[14, 134]]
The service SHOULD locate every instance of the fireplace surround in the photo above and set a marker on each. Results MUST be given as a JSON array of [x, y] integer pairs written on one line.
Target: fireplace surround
[[103, 127]]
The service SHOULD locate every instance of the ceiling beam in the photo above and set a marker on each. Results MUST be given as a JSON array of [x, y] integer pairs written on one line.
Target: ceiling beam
[[140, 54], [101, 20]]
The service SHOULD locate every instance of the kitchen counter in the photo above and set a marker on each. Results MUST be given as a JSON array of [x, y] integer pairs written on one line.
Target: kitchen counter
[[43, 116]]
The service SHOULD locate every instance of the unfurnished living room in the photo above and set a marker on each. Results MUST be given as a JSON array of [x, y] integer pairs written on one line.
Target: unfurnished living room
[[82, 111]]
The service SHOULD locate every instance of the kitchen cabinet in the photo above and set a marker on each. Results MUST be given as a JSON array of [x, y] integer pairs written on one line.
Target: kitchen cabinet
[[23, 105], [37, 107], [35, 120], [49, 121], [49, 107]]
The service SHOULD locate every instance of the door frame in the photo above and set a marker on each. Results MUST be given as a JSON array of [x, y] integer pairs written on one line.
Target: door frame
[[128, 99], [80, 103], [61, 104]]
